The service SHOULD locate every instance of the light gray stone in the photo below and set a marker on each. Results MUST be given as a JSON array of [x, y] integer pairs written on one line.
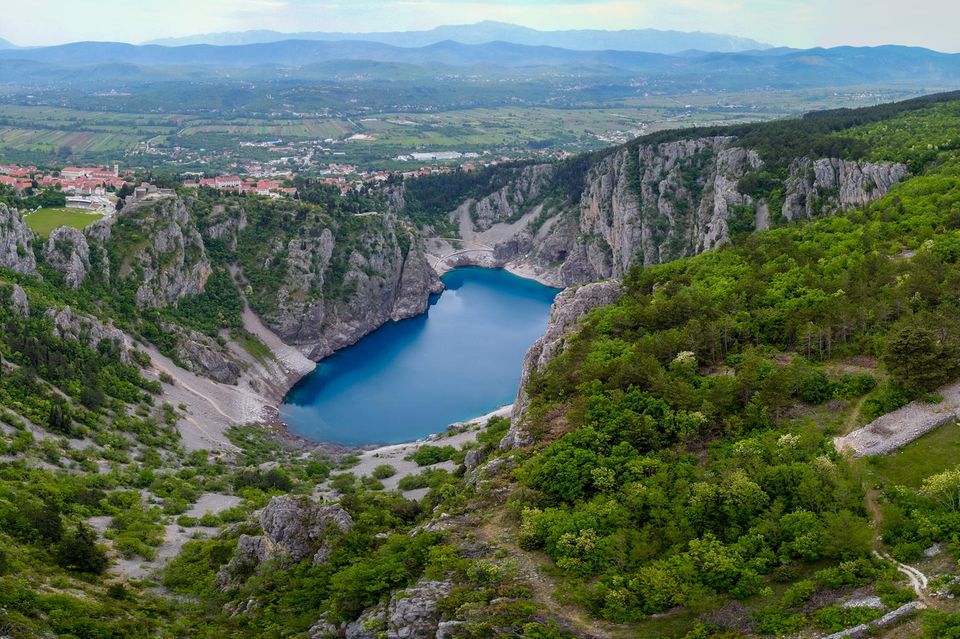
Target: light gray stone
[[16, 242], [67, 251]]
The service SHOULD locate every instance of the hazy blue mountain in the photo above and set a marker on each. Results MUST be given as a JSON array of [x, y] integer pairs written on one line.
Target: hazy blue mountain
[[6, 44], [648, 40], [296, 53], [300, 60]]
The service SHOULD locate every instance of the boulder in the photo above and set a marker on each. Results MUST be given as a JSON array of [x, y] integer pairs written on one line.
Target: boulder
[[18, 298]]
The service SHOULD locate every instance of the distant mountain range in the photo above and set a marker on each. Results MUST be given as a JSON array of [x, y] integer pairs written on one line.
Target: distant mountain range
[[780, 67], [297, 53], [108, 64], [647, 40], [6, 44]]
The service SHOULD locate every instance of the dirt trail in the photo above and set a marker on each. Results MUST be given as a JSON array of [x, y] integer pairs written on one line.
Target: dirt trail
[[917, 579], [214, 435], [542, 586], [190, 389], [851, 421]]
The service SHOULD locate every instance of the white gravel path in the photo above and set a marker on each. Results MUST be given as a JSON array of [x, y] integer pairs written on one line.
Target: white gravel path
[[893, 430]]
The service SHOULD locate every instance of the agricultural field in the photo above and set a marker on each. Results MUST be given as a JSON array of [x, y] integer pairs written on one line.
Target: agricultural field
[[272, 129], [44, 221], [102, 129]]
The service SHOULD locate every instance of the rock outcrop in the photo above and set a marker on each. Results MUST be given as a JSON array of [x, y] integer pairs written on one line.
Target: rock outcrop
[[652, 203], [67, 251], [225, 225], [19, 301], [197, 352], [16, 239], [297, 526], [410, 614], [70, 325], [294, 528], [167, 252], [829, 184], [569, 308]]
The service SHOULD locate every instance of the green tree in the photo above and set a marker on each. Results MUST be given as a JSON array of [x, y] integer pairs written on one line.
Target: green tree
[[916, 359], [80, 551]]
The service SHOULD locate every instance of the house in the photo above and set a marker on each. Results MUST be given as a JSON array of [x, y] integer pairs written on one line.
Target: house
[[16, 183]]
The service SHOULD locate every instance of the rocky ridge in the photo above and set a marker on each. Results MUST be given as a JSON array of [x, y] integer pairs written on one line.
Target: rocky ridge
[[568, 309], [650, 204]]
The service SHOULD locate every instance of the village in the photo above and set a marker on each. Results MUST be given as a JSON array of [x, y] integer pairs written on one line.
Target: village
[[100, 189]]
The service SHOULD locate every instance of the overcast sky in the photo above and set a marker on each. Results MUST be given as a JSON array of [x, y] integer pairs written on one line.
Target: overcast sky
[[798, 23]]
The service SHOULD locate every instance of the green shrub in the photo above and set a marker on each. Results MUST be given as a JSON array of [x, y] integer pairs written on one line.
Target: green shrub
[[383, 471], [430, 455]]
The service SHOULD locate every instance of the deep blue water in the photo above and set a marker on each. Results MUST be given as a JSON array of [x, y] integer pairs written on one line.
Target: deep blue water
[[410, 379]]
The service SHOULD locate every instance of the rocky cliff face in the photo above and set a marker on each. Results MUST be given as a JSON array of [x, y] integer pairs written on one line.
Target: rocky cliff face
[[650, 204], [338, 288], [167, 255], [67, 251], [821, 186], [568, 309], [509, 202], [16, 252]]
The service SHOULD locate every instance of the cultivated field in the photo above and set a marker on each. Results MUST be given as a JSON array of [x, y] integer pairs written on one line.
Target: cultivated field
[[98, 129]]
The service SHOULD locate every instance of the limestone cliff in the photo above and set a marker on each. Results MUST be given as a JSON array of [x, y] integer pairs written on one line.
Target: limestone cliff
[[172, 263], [568, 309], [67, 251], [336, 280], [829, 184], [652, 203], [510, 201], [16, 252]]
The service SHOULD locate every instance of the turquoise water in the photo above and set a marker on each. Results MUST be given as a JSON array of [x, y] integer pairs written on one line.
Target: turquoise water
[[413, 378]]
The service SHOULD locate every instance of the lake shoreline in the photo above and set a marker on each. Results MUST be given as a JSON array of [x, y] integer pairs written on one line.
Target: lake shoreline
[[325, 414], [210, 408]]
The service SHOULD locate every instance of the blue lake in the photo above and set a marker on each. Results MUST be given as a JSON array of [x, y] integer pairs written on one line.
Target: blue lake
[[413, 378]]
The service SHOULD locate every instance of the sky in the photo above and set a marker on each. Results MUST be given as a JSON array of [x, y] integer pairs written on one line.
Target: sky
[[796, 23]]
